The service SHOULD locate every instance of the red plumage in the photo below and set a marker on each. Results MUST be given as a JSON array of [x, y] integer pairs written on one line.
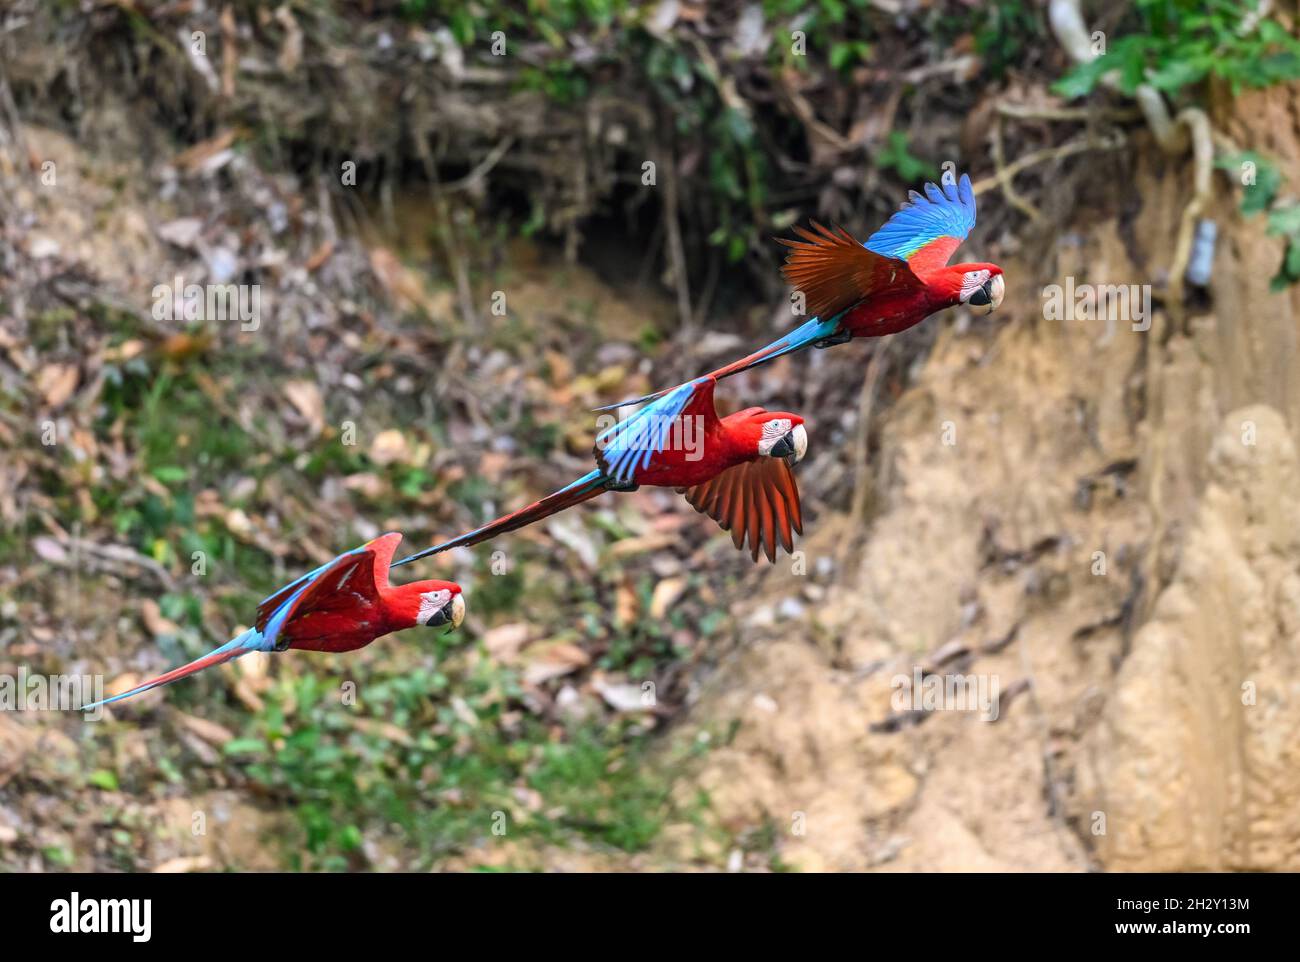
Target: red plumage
[[700, 450], [341, 606]]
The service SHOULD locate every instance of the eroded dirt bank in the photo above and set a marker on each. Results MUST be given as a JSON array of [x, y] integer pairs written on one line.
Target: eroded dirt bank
[[1113, 534]]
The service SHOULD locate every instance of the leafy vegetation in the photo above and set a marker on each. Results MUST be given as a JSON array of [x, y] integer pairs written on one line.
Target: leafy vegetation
[[1175, 44], [435, 763], [1261, 183]]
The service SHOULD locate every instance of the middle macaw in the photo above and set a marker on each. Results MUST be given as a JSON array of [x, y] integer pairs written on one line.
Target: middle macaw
[[897, 279], [734, 469]]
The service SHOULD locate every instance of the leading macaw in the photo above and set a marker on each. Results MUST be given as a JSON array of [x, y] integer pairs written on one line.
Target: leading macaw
[[341, 606], [897, 279], [734, 469]]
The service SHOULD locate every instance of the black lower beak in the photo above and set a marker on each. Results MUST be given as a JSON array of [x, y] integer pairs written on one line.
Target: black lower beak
[[783, 448], [451, 614], [983, 297]]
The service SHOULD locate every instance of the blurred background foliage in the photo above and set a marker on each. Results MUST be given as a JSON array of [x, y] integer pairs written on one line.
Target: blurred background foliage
[[755, 115]]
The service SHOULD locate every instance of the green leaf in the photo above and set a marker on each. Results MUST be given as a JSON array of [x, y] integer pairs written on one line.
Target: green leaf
[[1179, 73], [170, 473], [1080, 81], [244, 746], [1285, 220], [103, 778], [1256, 196]]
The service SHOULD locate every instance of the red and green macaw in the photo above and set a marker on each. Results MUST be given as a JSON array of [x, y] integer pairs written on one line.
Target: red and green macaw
[[734, 469], [897, 279], [341, 606]]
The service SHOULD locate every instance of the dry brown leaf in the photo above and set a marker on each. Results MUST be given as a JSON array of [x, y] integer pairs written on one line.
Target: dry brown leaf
[[390, 447], [492, 465], [402, 285], [366, 484], [665, 595], [626, 605], [553, 659], [57, 382], [183, 863], [196, 156], [291, 51], [650, 542], [154, 621], [505, 641], [229, 52], [306, 398], [183, 347], [122, 683], [383, 729], [212, 733]]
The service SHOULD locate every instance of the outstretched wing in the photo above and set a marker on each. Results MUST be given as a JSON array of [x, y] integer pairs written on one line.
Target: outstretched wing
[[834, 271], [757, 500], [927, 229], [342, 595], [629, 445]]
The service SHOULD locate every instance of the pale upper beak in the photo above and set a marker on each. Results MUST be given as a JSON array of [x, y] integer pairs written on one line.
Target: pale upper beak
[[457, 611], [793, 446], [799, 438]]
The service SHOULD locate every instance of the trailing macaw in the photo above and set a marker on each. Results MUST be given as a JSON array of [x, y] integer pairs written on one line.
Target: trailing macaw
[[341, 606], [897, 279], [734, 469]]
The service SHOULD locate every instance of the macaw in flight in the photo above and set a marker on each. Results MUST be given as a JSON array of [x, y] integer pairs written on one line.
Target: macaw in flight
[[897, 279], [734, 469], [341, 606]]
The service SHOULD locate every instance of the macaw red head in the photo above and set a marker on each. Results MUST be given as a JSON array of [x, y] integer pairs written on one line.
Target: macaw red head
[[429, 603], [981, 285], [772, 434]]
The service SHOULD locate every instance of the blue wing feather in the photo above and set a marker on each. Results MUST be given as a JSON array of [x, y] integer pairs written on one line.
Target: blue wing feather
[[630, 444], [947, 211]]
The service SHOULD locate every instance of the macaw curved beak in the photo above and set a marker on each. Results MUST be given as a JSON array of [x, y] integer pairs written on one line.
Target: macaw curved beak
[[451, 614], [990, 293], [792, 446]]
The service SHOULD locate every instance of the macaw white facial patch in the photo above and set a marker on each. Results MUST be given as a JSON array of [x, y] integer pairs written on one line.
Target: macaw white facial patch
[[773, 431], [971, 282], [432, 602]]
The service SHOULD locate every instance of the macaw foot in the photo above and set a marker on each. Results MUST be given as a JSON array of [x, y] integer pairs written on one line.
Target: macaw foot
[[613, 485], [840, 337]]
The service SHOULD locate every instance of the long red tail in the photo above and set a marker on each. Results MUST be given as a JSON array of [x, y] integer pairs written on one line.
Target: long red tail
[[241, 645], [584, 489], [809, 333]]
